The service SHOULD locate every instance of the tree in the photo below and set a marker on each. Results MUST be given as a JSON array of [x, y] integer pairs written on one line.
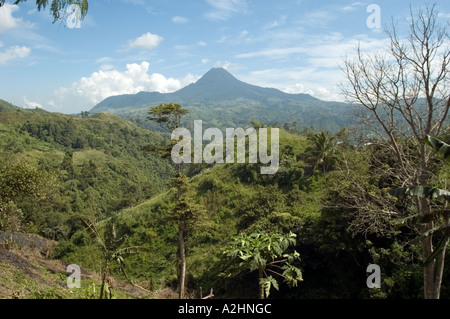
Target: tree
[[169, 116], [10, 217], [23, 186], [21, 181], [440, 217], [323, 150], [110, 245], [402, 96], [60, 9], [265, 253]]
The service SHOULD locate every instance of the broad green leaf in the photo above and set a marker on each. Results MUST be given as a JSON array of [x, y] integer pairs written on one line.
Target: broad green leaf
[[268, 282], [420, 191], [275, 284], [440, 146]]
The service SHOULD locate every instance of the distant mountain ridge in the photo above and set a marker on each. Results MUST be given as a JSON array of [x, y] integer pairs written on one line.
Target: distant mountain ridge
[[216, 85], [222, 100], [221, 85]]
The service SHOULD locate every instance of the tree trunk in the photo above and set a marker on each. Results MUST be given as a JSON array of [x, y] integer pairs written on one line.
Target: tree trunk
[[182, 262], [439, 268], [438, 272], [181, 246], [261, 285], [105, 274], [428, 271], [432, 275]]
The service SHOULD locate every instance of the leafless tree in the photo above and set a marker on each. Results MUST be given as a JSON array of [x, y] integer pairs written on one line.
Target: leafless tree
[[401, 96]]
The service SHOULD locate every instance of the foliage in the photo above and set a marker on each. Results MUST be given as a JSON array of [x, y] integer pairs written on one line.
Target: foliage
[[55, 167], [10, 217], [265, 253], [110, 245], [20, 181], [323, 149], [439, 216], [401, 96], [58, 7], [341, 218], [169, 117]]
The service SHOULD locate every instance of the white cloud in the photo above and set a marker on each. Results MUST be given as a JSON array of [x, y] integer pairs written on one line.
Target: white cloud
[[31, 105], [88, 91], [179, 20], [7, 21], [105, 63], [223, 9], [444, 15], [296, 88], [276, 23], [14, 52], [352, 7], [320, 75], [317, 91], [227, 65], [305, 80], [227, 5], [146, 41], [105, 59], [190, 46], [318, 18], [327, 49]]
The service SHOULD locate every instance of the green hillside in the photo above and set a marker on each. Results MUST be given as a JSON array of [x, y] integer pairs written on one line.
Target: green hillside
[[234, 199], [62, 174], [8, 107], [92, 166]]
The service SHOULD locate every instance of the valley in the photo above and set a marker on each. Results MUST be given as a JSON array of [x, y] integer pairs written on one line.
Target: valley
[[94, 168]]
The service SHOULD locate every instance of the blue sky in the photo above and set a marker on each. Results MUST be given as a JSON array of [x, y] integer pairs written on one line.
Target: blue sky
[[127, 46]]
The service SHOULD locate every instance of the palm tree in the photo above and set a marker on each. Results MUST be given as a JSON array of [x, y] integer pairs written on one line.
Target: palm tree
[[323, 150], [110, 246]]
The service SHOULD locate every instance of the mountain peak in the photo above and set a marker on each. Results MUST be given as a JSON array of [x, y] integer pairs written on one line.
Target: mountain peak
[[217, 75], [216, 84]]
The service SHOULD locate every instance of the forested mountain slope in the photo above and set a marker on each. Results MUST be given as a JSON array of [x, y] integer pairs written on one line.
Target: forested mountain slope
[[60, 171], [336, 241], [90, 166]]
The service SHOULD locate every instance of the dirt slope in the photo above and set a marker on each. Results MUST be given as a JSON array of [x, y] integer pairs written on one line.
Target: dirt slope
[[27, 272]]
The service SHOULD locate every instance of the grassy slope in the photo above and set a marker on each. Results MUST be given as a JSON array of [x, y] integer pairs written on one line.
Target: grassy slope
[[220, 191], [122, 169], [222, 194], [111, 143]]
